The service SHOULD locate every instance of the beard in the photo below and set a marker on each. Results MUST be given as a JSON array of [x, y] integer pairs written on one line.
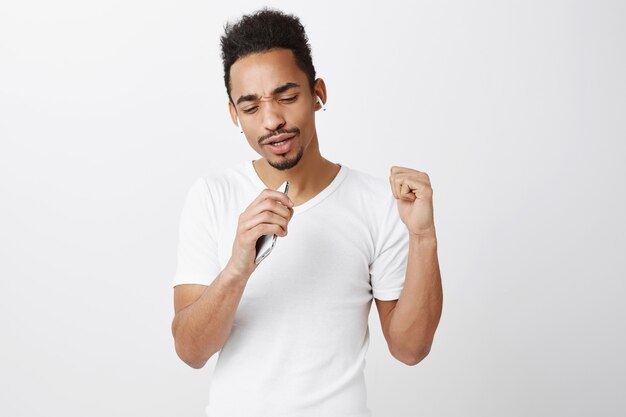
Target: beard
[[286, 163]]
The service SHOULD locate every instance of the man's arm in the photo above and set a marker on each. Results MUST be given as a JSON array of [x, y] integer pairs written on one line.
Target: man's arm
[[409, 323], [204, 316]]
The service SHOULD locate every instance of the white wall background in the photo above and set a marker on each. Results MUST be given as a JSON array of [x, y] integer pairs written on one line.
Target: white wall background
[[110, 109]]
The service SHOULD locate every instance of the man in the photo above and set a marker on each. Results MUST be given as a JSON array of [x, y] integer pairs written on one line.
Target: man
[[292, 331]]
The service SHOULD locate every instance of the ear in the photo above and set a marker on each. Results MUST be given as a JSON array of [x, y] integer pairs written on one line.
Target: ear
[[233, 114], [319, 89]]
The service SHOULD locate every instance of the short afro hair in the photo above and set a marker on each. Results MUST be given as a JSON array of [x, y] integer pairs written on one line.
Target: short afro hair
[[261, 31]]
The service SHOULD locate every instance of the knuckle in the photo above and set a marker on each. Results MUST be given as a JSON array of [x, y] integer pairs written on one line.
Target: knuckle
[[273, 203]]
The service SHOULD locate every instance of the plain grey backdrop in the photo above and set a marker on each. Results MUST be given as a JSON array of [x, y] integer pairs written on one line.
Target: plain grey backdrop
[[109, 110]]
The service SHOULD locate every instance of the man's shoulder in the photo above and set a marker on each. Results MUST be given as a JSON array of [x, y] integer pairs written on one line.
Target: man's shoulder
[[368, 183], [368, 196], [221, 177]]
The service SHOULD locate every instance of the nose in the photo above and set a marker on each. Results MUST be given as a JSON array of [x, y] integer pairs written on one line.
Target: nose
[[272, 116]]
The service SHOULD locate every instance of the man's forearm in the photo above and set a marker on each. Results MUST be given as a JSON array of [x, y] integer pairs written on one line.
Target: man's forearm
[[416, 315], [202, 328]]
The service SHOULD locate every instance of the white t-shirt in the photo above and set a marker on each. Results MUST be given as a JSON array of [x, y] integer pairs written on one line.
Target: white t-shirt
[[300, 333]]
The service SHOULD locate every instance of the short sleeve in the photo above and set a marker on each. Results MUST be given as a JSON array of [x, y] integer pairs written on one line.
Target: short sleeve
[[197, 260], [388, 269]]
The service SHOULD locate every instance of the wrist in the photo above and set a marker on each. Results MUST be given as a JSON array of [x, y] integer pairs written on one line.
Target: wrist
[[427, 236], [231, 272]]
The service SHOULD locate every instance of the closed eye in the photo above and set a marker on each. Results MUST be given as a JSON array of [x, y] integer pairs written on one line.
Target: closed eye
[[285, 100], [289, 99]]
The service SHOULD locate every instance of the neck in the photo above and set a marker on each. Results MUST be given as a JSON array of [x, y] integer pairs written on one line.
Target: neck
[[310, 176]]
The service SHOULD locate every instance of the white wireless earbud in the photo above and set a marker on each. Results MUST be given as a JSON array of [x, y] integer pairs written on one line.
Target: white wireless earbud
[[239, 124], [319, 100]]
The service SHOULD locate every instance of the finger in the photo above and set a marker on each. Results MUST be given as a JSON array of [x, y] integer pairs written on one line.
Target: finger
[[272, 206], [405, 192], [274, 195], [394, 188], [403, 170], [266, 217], [397, 180], [423, 176], [266, 229], [412, 188]]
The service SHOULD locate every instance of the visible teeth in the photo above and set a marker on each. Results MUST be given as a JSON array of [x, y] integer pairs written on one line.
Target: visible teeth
[[279, 143]]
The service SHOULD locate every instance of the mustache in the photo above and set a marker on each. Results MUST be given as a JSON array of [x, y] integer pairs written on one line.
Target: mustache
[[278, 132]]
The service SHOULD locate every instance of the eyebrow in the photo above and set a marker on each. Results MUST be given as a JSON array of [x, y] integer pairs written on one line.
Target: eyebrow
[[277, 90]]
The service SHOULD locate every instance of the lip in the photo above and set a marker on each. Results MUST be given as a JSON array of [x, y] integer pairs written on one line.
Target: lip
[[278, 138], [282, 149]]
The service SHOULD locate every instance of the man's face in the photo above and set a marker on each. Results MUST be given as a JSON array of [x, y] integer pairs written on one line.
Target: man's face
[[289, 114]]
